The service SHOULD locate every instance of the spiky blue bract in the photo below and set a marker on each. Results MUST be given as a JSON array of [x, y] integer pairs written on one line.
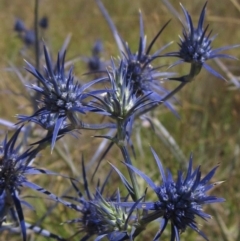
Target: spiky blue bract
[[43, 22], [60, 97], [95, 63], [29, 37], [14, 168], [180, 201], [195, 45], [140, 71], [19, 25], [121, 103], [104, 217], [145, 77]]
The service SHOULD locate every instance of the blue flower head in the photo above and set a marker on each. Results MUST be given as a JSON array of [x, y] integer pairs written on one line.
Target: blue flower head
[[19, 26], [120, 102], [60, 97], [195, 45], [180, 201], [29, 37], [14, 168], [143, 76], [103, 217], [95, 63], [140, 72], [43, 22]]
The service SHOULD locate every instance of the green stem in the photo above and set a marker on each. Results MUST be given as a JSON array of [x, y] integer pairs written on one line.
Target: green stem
[[121, 143], [76, 123], [132, 174], [86, 126], [194, 71], [36, 34], [37, 52], [165, 98]]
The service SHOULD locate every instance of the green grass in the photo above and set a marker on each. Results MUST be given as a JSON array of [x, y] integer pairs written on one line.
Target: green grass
[[210, 112]]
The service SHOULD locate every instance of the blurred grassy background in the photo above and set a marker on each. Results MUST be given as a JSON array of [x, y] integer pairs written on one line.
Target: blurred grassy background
[[209, 110]]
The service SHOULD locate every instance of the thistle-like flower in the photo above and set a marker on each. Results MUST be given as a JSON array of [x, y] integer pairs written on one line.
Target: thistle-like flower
[[95, 63], [43, 22], [121, 102], [14, 167], [60, 98], [144, 76], [195, 46], [140, 71], [19, 26], [180, 201], [29, 37], [103, 217]]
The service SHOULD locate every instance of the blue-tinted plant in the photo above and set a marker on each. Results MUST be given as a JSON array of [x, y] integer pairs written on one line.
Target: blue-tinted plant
[[181, 201], [36, 229], [43, 22], [14, 168], [19, 25], [60, 98], [123, 105], [195, 47], [29, 37], [139, 65], [94, 63], [104, 217], [144, 76], [120, 102], [132, 88]]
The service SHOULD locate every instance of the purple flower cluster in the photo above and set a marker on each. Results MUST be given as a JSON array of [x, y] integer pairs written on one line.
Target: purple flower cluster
[[122, 91]]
